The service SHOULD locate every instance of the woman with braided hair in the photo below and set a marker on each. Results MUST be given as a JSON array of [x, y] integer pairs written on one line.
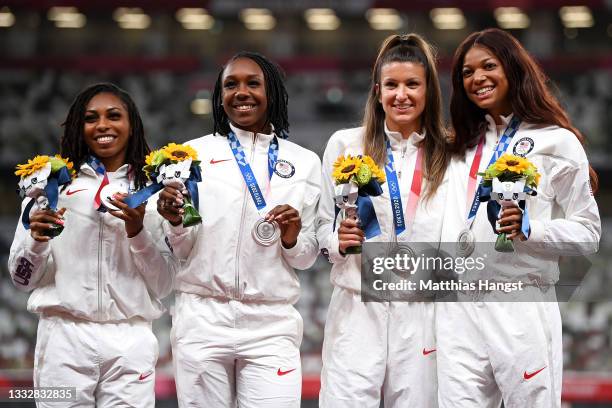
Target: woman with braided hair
[[235, 333], [97, 285]]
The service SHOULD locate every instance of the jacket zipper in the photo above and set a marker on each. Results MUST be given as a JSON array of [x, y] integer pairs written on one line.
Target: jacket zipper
[[244, 202], [100, 234]]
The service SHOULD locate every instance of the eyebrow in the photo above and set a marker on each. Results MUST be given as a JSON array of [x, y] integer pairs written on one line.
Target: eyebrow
[[414, 78], [107, 109], [480, 62], [258, 76]]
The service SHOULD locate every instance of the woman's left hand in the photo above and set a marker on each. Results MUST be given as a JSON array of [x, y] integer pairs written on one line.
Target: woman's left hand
[[132, 217], [510, 222], [289, 221]]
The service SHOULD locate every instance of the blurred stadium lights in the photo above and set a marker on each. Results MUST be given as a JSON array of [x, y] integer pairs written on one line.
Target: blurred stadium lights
[[131, 18], [511, 18], [576, 17], [195, 18], [447, 18], [66, 17], [201, 104], [384, 19], [321, 19], [334, 95], [7, 18], [257, 19], [201, 107]]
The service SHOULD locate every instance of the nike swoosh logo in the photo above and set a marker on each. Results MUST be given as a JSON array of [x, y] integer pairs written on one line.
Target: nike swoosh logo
[[145, 375], [281, 373], [213, 161], [426, 352], [527, 375], [74, 191]]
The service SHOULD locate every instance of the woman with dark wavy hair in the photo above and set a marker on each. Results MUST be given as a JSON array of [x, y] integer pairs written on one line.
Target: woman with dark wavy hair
[[494, 349]]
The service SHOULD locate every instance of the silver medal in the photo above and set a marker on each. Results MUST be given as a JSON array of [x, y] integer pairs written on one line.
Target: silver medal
[[466, 242], [405, 252], [265, 233], [109, 190]]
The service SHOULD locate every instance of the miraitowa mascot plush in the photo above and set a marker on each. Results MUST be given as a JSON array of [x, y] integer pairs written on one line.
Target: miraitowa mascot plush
[[505, 194], [40, 179]]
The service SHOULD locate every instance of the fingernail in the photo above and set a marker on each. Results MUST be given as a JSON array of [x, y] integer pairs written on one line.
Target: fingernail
[[181, 211], [59, 221], [184, 191], [179, 201]]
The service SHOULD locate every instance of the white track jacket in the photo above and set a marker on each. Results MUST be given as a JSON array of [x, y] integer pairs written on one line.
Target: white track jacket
[[564, 217], [424, 228], [92, 271], [219, 257]]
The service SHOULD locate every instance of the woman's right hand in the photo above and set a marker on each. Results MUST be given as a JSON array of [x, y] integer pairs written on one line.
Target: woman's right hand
[[170, 205], [42, 220], [349, 234]]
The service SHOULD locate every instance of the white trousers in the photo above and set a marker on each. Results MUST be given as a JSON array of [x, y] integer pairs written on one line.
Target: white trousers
[[374, 347], [227, 352], [110, 364], [489, 351]]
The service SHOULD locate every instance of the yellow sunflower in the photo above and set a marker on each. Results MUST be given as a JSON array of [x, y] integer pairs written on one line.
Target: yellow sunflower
[[376, 171], [514, 164], [32, 166], [345, 167], [156, 157], [180, 152]]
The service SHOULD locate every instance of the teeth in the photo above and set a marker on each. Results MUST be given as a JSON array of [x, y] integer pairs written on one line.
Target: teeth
[[484, 90], [105, 139], [244, 107], [403, 106]]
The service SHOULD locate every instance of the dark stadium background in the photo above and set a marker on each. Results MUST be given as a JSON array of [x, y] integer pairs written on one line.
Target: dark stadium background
[[167, 55]]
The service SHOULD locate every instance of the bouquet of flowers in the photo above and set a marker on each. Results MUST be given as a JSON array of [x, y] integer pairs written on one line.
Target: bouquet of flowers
[[357, 178], [40, 179], [174, 165], [507, 183]]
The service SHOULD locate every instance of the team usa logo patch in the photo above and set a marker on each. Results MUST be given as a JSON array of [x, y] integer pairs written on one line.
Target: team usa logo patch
[[284, 169], [523, 146]]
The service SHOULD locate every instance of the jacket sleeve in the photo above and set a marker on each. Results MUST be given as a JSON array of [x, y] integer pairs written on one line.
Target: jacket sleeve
[[29, 259], [152, 255], [579, 231], [326, 234], [304, 254], [179, 239]]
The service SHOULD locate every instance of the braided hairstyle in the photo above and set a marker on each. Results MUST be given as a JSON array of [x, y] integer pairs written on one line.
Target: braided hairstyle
[[276, 94], [72, 143]]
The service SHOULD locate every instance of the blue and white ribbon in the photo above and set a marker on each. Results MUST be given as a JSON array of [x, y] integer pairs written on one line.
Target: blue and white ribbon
[[397, 209], [247, 172], [500, 149]]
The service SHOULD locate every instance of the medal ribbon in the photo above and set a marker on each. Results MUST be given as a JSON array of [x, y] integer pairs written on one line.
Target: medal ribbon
[[501, 147], [247, 172], [101, 170], [395, 193]]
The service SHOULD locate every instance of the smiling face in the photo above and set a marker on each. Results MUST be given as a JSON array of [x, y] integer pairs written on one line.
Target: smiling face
[[485, 81], [107, 129], [402, 94], [244, 95]]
